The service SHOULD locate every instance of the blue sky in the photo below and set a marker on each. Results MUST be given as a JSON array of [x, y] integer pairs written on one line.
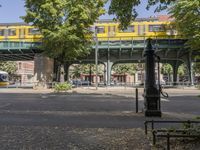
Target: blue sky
[[11, 10]]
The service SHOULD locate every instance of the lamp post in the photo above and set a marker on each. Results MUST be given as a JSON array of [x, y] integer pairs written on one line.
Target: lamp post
[[96, 57]]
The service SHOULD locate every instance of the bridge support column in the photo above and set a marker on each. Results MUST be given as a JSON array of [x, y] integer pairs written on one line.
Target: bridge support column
[[175, 66], [43, 71], [190, 69], [108, 66], [105, 74]]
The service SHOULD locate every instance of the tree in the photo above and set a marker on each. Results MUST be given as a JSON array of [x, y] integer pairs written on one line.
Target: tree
[[125, 11], [78, 69], [187, 15], [64, 25], [182, 70], [125, 68], [8, 66], [196, 67], [167, 69]]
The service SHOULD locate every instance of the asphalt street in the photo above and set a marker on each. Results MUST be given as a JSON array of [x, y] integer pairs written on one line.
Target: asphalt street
[[88, 110], [85, 119]]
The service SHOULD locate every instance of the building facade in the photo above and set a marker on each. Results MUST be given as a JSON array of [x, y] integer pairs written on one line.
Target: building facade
[[25, 72]]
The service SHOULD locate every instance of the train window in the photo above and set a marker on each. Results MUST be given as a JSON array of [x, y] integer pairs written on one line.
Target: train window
[[100, 29], [34, 31], [156, 28], [128, 29], [11, 32], [1, 32]]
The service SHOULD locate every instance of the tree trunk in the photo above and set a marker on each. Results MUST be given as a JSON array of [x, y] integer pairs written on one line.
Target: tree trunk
[[62, 73], [67, 65]]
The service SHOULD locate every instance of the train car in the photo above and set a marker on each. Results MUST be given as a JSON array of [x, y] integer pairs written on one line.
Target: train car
[[4, 78], [107, 30], [19, 32], [136, 30]]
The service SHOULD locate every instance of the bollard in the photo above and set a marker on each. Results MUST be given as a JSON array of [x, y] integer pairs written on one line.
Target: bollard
[[136, 100]]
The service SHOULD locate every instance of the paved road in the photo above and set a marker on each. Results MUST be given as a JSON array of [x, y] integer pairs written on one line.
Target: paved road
[[72, 110], [87, 120], [88, 110]]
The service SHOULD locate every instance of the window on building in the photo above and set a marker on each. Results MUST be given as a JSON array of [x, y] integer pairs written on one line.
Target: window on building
[[34, 31], [11, 32], [128, 29], [1, 32], [100, 29], [156, 28]]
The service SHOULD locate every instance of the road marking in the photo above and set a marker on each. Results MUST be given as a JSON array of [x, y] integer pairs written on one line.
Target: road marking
[[165, 100]]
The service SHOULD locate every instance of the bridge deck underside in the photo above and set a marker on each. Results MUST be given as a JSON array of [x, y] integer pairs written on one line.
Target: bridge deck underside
[[117, 49]]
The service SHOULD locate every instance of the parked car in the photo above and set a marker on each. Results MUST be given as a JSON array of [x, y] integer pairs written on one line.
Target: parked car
[[162, 82], [80, 82]]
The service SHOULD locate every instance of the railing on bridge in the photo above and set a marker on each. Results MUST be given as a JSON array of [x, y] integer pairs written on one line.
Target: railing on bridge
[[104, 42]]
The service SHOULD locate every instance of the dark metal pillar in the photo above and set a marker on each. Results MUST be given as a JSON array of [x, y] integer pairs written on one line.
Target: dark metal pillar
[[151, 91], [108, 66], [190, 69], [175, 66], [90, 78]]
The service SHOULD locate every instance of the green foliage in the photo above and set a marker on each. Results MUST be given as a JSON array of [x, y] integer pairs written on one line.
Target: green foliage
[[8, 66], [166, 69], [196, 67], [198, 86], [125, 10], [77, 70], [59, 87], [64, 25], [182, 70], [187, 15], [125, 68], [197, 118]]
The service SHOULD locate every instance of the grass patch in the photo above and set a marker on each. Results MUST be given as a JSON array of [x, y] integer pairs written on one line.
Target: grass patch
[[62, 87]]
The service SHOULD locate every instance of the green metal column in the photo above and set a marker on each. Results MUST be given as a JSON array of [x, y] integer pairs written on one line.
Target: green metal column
[[190, 69], [175, 66], [108, 66]]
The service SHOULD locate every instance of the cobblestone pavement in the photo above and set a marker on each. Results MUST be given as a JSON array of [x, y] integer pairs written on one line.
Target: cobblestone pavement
[[67, 138], [84, 119]]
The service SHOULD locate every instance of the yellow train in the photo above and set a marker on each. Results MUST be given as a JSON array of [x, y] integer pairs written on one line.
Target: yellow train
[[105, 30], [19, 32]]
